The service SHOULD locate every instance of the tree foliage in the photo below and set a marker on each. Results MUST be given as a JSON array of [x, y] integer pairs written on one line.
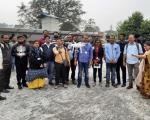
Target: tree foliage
[[90, 26], [135, 24], [67, 10]]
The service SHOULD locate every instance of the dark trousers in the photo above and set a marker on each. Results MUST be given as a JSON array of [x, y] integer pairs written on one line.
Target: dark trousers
[[85, 67], [67, 73], [21, 74], [99, 74], [73, 69], [5, 77], [60, 74], [123, 68], [110, 73]]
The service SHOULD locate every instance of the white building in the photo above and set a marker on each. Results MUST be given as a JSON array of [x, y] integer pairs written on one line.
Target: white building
[[50, 22]]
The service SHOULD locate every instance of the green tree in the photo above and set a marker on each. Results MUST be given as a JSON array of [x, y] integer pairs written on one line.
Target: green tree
[[132, 24], [145, 29], [69, 11]]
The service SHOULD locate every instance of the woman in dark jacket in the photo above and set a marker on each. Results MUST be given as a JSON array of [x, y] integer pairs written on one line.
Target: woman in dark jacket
[[37, 71], [98, 54]]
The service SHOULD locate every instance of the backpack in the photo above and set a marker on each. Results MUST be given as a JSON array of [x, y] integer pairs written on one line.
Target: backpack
[[137, 45]]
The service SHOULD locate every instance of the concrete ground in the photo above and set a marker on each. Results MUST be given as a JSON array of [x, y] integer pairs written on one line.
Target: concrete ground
[[97, 103]]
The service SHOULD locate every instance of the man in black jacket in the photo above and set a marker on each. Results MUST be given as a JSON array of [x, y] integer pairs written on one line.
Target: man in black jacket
[[5, 70], [47, 49], [122, 44], [21, 51]]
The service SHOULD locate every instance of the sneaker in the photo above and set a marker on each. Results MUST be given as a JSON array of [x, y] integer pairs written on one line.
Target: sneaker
[[56, 87], [88, 86], [107, 85], [78, 86], [123, 85], [130, 87], [51, 83], [2, 98], [25, 85], [114, 85], [19, 87], [5, 91], [9, 87]]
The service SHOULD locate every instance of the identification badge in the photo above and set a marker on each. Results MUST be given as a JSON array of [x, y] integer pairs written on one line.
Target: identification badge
[[97, 65]]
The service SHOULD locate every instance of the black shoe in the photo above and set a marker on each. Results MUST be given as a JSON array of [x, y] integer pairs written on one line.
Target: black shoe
[[88, 86], [73, 82], [107, 85], [114, 85], [78, 86], [9, 87], [51, 83], [123, 85], [25, 85], [2, 98], [5, 91], [19, 87], [118, 84]]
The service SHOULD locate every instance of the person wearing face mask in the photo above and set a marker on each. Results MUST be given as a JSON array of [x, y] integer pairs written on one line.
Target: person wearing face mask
[[21, 51]]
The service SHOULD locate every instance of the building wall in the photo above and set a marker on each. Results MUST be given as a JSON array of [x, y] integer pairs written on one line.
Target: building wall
[[50, 24]]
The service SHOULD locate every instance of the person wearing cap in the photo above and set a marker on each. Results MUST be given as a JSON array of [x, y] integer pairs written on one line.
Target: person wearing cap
[[21, 51]]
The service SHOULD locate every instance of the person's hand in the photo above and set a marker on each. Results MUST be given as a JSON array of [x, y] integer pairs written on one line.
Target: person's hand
[[111, 61], [41, 65], [45, 65], [124, 64], [90, 63]]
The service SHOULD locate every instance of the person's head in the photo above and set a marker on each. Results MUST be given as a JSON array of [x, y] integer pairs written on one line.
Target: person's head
[[36, 44], [47, 39], [45, 33], [131, 38], [5, 38], [21, 39], [13, 38], [122, 36], [136, 36], [112, 39], [147, 45], [60, 42], [98, 43], [75, 37], [107, 38], [56, 35], [69, 38], [85, 38]]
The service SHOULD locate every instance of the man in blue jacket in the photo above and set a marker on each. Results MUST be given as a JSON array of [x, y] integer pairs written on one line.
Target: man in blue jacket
[[112, 53], [84, 57]]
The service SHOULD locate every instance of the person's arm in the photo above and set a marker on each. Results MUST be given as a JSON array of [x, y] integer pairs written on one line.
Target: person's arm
[[55, 51], [140, 56], [107, 53]]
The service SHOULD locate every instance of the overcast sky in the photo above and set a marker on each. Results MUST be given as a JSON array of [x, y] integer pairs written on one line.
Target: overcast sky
[[105, 12]]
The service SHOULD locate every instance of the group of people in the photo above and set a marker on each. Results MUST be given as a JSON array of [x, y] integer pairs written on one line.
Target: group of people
[[52, 58]]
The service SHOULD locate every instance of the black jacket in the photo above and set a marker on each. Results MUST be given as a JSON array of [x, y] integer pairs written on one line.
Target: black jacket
[[36, 58], [100, 54], [21, 53]]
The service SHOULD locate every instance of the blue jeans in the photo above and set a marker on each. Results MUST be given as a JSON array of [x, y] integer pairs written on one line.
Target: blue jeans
[[50, 70], [85, 67], [110, 73]]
